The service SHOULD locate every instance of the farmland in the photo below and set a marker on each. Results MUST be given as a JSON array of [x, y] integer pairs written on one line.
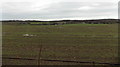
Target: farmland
[[78, 42]]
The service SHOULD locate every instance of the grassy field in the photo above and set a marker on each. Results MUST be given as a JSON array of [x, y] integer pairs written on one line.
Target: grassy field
[[78, 42]]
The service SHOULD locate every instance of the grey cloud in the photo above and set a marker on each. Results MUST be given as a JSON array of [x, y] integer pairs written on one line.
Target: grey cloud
[[67, 10]]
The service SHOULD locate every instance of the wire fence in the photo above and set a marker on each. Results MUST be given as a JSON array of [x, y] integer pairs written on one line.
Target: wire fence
[[65, 61]]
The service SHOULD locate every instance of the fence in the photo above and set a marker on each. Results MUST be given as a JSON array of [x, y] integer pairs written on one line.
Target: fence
[[50, 60]]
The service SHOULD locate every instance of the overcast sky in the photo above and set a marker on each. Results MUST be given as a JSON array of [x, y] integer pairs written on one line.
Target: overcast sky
[[59, 9]]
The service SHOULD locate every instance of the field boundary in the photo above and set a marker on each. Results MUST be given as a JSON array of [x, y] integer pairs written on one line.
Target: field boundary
[[68, 61]]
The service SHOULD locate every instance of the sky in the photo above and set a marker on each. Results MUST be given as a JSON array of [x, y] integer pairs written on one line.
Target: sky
[[58, 9]]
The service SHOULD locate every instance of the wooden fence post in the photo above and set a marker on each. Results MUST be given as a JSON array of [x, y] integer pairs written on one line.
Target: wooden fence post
[[39, 55]]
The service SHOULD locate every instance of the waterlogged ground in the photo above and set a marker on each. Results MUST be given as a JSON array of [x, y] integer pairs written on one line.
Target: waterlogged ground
[[75, 42]]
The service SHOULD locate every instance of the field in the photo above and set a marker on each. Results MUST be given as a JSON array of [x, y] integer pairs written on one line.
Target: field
[[71, 42]]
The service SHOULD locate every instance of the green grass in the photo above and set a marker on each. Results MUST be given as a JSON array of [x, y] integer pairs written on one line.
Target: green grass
[[82, 42], [40, 23], [86, 24]]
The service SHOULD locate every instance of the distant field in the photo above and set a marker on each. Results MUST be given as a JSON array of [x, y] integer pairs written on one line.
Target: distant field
[[78, 42], [40, 23]]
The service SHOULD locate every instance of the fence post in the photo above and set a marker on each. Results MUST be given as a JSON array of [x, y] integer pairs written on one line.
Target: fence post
[[39, 55], [93, 64]]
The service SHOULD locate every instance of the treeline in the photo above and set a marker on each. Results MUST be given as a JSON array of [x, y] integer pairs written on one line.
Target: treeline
[[99, 21]]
